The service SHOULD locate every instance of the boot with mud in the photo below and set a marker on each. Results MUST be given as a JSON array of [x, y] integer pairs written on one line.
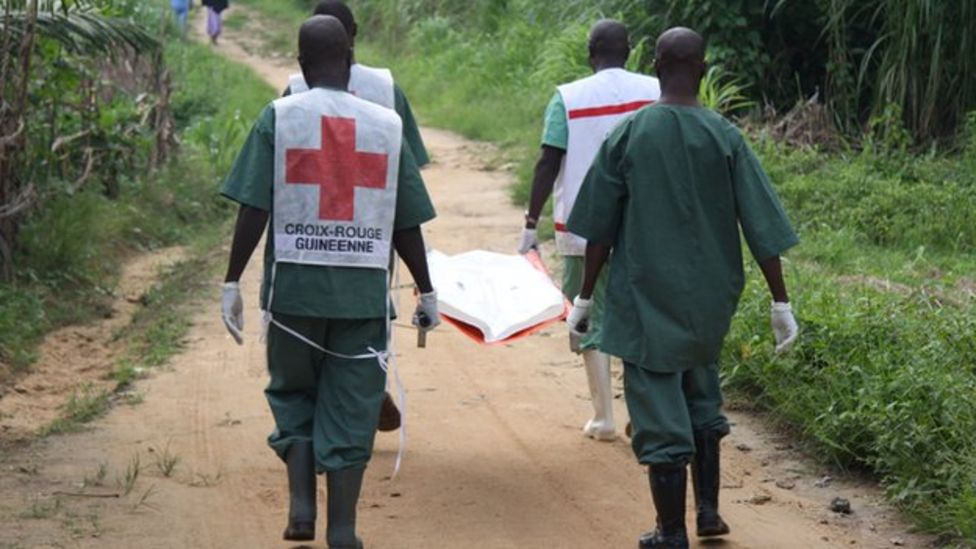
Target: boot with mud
[[601, 426], [389, 415], [707, 479], [668, 488], [300, 460], [344, 487]]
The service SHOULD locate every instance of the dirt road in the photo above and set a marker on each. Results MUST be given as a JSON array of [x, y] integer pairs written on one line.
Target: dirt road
[[495, 460]]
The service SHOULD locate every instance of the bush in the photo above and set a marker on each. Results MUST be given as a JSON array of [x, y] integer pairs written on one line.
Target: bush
[[73, 245], [882, 380], [905, 202]]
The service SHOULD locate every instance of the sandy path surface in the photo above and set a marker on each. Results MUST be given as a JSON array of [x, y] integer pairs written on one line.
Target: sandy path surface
[[496, 458], [79, 359]]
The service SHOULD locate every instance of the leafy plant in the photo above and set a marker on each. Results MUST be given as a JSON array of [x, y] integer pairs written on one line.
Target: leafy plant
[[723, 92], [77, 27]]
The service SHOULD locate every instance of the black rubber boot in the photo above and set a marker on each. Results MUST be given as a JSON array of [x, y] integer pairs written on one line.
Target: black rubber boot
[[301, 488], [669, 485], [344, 487], [705, 472]]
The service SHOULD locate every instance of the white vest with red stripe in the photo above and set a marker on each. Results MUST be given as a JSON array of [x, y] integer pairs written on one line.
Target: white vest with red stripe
[[372, 84], [337, 159], [594, 106]]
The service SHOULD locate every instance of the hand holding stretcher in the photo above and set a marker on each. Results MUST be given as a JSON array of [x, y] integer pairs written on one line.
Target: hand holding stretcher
[[426, 317]]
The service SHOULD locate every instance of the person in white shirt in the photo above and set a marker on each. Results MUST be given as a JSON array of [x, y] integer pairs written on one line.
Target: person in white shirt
[[578, 118]]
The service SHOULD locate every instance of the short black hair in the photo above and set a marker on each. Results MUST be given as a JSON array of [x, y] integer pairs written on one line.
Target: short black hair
[[608, 39], [322, 43], [339, 10]]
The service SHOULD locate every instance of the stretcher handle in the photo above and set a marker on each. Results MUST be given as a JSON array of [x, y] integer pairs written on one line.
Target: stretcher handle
[[423, 322]]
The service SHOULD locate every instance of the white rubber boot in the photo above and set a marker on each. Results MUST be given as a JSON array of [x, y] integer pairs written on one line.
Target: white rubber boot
[[597, 366]]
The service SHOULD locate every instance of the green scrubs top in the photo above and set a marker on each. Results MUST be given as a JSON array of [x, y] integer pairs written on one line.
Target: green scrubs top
[[310, 290], [669, 190], [411, 131], [555, 129]]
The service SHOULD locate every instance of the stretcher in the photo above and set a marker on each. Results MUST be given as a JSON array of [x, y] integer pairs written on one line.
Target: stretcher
[[496, 298]]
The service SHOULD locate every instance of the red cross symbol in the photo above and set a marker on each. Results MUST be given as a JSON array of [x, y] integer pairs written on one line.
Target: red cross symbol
[[337, 168]]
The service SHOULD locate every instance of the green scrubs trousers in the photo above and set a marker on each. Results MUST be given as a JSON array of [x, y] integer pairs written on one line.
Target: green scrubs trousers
[[573, 266], [333, 402], [666, 408]]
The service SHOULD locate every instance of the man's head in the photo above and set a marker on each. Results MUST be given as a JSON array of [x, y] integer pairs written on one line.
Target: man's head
[[680, 59], [609, 44], [324, 52], [339, 10]]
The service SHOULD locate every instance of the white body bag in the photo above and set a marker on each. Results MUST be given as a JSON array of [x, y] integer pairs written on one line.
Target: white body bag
[[594, 107], [372, 84]]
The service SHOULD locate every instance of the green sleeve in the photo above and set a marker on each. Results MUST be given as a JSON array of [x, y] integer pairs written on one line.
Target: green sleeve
[[413, 205], [599, 208], [765, 226], [411, 132], [555, 131], [252, 176]]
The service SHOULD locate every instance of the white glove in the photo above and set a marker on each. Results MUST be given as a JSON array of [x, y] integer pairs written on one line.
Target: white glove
[[232, 308], [784, 327], [579, 317], [529, 241], [426, 317]]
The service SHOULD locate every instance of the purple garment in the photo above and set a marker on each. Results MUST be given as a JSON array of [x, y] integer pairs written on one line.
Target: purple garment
[[214, 24]]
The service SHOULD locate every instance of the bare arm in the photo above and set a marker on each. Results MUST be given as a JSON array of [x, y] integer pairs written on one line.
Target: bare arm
[[247, 233], [596, 257], [409, 245], [546, 172], [772, 270]]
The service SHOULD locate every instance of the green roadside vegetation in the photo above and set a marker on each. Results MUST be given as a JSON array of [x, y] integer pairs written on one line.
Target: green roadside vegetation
[[884, 282], [72, 243]]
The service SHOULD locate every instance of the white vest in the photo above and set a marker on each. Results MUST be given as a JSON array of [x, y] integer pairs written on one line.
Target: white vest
[[373, 85], [337, 159], [594, 106]]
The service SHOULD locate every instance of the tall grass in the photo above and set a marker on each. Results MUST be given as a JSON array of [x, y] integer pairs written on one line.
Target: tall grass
[[920, 58]]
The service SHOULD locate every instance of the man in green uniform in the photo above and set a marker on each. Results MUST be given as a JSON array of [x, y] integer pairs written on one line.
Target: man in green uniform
[[389, 415], [668, 193], [329, 317], [579, 116]]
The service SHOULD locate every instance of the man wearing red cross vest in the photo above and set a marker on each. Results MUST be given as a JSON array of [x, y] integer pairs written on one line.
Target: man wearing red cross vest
[[578, 118], [341, 191], [375, 85]]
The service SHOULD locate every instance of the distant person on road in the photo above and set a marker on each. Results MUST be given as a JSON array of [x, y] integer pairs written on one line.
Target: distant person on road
[[181, 10], [377, 86], [214, 22], [341, 189], [668, 193], [578, 118]]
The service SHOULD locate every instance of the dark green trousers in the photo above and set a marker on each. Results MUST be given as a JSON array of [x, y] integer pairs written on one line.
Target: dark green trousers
[[333, 402], [666, 408]]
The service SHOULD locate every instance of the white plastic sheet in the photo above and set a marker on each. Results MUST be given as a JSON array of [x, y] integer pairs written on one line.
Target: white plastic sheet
[[502, 296]]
